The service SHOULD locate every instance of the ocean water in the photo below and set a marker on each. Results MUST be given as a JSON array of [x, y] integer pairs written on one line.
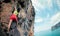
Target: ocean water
[[48, 33], [56, 32]]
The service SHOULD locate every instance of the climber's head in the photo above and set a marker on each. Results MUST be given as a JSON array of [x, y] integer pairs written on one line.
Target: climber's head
[[18, 9]]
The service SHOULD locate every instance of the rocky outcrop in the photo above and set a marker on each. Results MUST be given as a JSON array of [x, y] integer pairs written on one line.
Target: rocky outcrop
[[25, 17], [55, 27]]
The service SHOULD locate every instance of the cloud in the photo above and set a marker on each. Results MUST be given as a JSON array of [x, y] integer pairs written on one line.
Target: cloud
[[58, 3], [55, 18], [38, 19], [49, 3], [37, 4], [48, 15], [41, 4], [37, 29]]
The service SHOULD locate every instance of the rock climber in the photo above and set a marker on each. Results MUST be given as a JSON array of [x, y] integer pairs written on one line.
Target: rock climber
[[12, 26]]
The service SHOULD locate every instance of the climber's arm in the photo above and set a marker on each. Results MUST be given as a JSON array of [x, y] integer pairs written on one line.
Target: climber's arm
[[15, 8]]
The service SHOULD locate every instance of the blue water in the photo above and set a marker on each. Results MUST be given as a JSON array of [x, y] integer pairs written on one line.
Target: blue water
[[48, 33], [56, 32]]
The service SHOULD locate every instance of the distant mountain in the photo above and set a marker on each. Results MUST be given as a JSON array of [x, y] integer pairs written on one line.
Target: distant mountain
[[55, 26]]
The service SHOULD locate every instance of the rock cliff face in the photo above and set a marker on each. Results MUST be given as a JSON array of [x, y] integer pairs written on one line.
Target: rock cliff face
[[25, 17]]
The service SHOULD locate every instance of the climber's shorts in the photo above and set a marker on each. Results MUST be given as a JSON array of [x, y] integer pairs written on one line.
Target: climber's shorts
[[13, 17]]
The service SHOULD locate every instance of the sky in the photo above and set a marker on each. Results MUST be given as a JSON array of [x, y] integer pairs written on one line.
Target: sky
[[47, 14]]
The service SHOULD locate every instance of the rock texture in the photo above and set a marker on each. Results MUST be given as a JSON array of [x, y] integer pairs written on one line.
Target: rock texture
[[25, 17]]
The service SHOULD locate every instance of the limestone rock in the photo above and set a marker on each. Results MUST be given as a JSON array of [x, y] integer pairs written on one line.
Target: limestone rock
[[26, 16]]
